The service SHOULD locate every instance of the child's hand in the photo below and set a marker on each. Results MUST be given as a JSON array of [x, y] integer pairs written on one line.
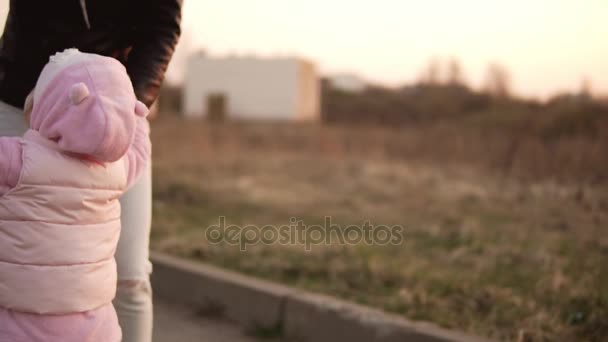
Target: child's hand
[[141, 109], [28, 107]]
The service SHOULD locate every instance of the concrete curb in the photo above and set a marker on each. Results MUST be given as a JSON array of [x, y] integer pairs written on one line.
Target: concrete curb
[[297, 315]]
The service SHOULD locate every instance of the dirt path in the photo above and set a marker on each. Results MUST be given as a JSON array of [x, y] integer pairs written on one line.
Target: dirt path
[[177, 323]]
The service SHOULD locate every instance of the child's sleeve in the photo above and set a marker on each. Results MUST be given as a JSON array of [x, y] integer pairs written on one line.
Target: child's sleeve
[[10, 163], [138, 155]]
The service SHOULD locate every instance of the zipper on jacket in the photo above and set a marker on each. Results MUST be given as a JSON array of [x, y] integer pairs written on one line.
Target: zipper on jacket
[[85, 15]]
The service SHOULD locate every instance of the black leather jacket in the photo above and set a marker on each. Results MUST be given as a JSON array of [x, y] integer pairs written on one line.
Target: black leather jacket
[[140, 33]]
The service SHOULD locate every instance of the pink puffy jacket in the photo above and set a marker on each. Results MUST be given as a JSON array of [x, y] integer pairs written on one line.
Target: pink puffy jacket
[[59, 209]]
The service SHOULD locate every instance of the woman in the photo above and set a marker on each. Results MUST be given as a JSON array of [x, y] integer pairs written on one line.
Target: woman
[[141, 34]]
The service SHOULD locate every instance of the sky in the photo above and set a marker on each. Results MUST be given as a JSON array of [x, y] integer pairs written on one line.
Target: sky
[[549, 46]]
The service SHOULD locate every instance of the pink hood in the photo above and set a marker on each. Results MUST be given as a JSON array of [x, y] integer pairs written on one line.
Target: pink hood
[[86, 103]]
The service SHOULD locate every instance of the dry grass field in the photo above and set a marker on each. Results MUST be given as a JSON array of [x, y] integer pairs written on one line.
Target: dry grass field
[[504, 237]]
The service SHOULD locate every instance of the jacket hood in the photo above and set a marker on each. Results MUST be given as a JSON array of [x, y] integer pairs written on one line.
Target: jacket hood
[[87, 105]]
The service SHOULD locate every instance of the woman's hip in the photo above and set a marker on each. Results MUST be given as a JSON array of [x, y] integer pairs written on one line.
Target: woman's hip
[[12, 122]]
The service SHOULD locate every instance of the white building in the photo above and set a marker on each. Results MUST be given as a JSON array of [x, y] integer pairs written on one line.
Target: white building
[[253, 88], [347, 82]]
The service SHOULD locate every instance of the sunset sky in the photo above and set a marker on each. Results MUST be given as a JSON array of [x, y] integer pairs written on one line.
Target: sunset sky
[[548, 45]]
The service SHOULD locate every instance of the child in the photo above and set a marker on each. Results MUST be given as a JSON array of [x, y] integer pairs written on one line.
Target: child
[[59, 210]]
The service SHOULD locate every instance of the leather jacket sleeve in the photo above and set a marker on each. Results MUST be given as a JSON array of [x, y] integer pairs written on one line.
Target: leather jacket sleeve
[[156, 32]]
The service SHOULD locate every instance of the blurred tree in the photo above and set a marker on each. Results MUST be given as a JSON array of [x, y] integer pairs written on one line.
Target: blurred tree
[[431, 75], [498, 81], [455, 73], [586, 88]]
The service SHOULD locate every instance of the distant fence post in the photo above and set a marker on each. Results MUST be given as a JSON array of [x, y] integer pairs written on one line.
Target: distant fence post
[[217, 106]]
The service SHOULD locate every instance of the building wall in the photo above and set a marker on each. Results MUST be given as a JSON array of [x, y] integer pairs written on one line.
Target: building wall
[[254, 88], [309, 92]]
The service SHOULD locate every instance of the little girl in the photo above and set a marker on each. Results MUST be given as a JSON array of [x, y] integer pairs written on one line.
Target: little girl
[[59, 210]]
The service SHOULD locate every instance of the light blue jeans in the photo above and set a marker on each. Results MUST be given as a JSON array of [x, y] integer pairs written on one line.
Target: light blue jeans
[[133, 300]]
